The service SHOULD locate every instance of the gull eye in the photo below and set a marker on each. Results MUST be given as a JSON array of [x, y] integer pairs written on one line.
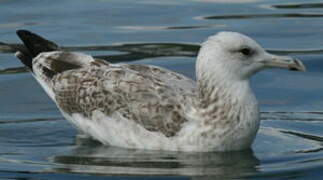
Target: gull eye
[[245, 51]]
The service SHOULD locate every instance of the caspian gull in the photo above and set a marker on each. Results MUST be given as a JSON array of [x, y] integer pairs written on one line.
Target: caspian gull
[[149, 107]]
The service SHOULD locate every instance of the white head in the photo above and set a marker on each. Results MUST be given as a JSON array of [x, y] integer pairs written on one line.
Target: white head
[[235, 56]]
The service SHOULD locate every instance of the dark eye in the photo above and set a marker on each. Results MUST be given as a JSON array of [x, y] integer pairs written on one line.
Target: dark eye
[[246, 51]]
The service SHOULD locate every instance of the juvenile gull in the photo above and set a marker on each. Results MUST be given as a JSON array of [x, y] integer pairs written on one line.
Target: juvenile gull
[[149, 107]]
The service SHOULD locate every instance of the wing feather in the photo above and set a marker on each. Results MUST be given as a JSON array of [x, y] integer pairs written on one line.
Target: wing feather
[[151, 96]]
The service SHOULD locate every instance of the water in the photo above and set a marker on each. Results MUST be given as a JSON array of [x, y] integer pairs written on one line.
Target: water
[[37, 143]]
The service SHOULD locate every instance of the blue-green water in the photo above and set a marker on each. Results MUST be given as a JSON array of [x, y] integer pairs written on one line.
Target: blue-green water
[[37, 143]]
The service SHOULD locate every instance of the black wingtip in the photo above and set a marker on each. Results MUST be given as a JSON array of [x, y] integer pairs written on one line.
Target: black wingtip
[[35, 43], [22, 32]]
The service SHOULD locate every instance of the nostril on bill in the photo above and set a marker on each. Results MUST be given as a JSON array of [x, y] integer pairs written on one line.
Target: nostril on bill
[[296, 65]]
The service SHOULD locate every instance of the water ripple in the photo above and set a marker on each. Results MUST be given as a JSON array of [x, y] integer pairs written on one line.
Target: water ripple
[[29, 120], [161, 28], [298, 6], [313, 116], [303, 135], [119, 161], [262, 16]]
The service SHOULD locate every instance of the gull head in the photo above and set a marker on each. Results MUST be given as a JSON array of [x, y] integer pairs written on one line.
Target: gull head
[[237, 56]]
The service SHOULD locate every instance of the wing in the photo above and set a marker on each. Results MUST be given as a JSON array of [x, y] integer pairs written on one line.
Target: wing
[[151, 96]]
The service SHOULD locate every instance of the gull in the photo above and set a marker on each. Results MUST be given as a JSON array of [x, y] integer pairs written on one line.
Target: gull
[[150, 107]]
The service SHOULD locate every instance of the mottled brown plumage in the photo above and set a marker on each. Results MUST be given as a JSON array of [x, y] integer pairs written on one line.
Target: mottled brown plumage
[[149, 95]]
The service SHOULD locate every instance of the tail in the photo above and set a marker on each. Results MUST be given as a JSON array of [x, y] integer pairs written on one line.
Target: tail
[[34, 45]]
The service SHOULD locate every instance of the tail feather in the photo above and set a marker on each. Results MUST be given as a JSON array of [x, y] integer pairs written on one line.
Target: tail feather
[[34, 45]]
